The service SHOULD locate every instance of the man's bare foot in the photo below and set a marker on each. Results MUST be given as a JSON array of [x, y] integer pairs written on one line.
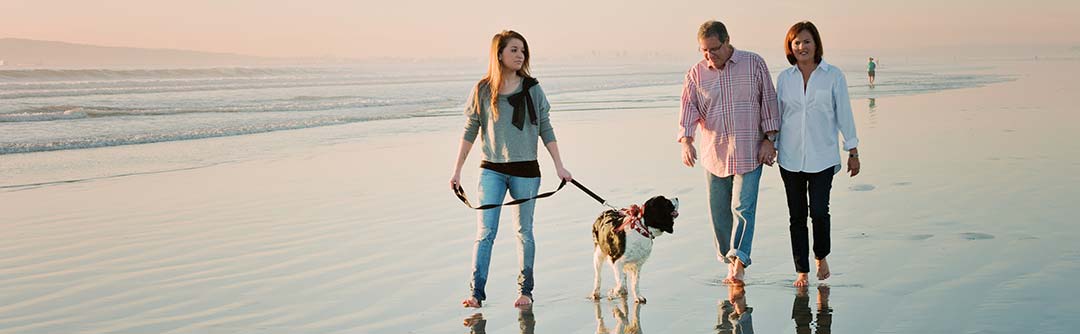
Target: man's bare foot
[[523, 300], [738, 272], [801, 280], [471, 302], [822, 269], [730, 274]]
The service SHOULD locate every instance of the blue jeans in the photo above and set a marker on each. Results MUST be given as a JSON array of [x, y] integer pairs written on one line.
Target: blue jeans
[[732, 204], [493, 188]]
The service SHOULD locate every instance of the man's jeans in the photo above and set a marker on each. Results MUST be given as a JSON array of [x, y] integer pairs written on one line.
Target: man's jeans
[[732, 204]]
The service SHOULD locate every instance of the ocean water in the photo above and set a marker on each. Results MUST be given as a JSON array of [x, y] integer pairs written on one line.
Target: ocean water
[[67, 109]]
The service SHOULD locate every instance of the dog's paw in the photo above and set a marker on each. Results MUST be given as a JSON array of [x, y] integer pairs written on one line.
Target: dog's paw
[[618, 314], [617, 292]]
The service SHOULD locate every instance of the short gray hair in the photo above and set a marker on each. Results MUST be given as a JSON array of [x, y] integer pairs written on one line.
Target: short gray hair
[[713, 28]]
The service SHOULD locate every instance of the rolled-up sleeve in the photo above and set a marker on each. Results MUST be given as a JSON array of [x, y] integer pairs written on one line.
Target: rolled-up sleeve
[[472, 116], [547, 132], [689, 114], [770, 110], [845, 119]]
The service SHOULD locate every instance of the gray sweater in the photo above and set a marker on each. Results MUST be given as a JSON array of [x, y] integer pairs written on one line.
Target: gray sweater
[[502, 142]]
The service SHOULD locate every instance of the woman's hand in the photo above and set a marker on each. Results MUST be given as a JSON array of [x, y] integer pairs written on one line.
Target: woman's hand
[[563, 174], [853, 162]]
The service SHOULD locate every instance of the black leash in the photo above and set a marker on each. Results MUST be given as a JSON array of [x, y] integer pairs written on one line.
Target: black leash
[[461, 195]]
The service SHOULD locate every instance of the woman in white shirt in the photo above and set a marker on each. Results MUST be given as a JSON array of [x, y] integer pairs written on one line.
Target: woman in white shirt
[[814, 108]]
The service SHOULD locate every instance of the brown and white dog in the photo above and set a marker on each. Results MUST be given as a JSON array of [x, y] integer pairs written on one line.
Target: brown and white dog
[[624, 239]]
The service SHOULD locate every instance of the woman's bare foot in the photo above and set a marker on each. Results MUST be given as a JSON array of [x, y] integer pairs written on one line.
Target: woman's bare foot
[[523, 300], [801, 280], [822, 269], [471, 302]]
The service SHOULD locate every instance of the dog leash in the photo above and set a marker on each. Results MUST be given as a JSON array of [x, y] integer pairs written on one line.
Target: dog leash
[[461, 195]]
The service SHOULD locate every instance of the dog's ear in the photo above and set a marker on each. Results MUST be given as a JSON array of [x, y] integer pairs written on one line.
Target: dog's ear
[[659, 214]]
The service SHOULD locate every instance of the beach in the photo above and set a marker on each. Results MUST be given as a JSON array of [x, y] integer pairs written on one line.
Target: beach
[[960, 222]]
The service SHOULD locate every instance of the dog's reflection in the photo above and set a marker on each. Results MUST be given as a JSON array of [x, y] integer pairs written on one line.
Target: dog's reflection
[[526, 321], [733, 316], [800, 311], [626, 318]]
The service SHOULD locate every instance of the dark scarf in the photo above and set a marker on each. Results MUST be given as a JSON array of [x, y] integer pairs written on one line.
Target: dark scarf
[[522, 101]]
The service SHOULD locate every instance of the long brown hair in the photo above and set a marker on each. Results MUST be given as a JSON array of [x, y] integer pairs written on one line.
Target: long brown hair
[[494, 76], [793, 32]]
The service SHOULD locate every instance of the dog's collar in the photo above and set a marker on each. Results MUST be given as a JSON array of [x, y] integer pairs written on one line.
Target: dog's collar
[[632, 219]]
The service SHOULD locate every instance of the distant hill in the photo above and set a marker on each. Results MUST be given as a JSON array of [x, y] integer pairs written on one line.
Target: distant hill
[[15, 52]]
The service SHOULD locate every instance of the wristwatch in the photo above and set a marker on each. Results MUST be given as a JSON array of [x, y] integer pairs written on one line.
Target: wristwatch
[[853, 155], [771, 137]]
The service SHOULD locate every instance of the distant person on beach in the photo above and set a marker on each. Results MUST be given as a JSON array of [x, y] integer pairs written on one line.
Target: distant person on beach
[[729, 95], [509, 111], [870, 68], [815, 107]]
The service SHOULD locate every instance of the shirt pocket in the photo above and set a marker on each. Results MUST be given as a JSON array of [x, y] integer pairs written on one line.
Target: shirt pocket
[[823, 100]]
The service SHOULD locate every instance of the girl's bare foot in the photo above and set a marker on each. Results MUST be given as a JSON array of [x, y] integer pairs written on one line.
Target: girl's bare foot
[[801, 280], [822, 269], [471, 302], [523, 300]]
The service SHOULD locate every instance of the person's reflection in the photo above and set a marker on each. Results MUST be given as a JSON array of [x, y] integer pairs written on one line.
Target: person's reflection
[[526, 321], [476, 323], [622, 323], [800, 311], [734, 315]]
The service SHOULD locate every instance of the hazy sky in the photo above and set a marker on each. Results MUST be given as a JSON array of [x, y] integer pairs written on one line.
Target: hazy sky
[[425, 29]]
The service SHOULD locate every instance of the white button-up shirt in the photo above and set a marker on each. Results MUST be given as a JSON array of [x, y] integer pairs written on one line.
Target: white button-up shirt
[[811, 119]]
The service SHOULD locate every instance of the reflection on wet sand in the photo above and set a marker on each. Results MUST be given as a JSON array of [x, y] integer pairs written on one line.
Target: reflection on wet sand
[[526, 322], [733, 316], [800, 311], [623, 324]]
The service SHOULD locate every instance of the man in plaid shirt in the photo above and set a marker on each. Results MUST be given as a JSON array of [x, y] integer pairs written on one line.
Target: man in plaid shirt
[[730, 96]]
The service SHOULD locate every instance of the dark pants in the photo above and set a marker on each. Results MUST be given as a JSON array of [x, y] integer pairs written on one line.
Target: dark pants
[[798, 185]]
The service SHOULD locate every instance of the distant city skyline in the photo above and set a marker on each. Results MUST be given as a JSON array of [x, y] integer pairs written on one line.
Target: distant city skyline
[[610, 28]]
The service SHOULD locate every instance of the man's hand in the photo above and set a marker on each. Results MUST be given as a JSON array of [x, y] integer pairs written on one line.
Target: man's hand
[[689, 154]]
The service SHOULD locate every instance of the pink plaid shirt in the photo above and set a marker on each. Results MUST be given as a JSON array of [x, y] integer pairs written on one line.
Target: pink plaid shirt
[[734, 107]]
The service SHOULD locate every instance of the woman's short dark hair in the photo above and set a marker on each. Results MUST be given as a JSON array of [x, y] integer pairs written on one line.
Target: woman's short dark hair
[[713, 28], [794, 31]]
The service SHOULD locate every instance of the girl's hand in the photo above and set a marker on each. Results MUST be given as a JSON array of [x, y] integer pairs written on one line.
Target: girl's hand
[[455, 180], [564, 174]]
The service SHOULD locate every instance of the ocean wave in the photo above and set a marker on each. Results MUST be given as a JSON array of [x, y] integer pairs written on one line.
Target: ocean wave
[[307, 104], [132, 139], [111, 74]]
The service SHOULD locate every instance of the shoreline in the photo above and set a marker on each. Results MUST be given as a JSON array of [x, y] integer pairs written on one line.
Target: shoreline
[[960, 222]]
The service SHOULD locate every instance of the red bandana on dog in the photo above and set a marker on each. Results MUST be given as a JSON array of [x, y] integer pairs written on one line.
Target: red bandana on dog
[[632, 220]]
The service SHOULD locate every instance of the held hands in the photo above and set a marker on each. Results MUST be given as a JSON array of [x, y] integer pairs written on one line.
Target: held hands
[[767, 153], [689, 154]]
